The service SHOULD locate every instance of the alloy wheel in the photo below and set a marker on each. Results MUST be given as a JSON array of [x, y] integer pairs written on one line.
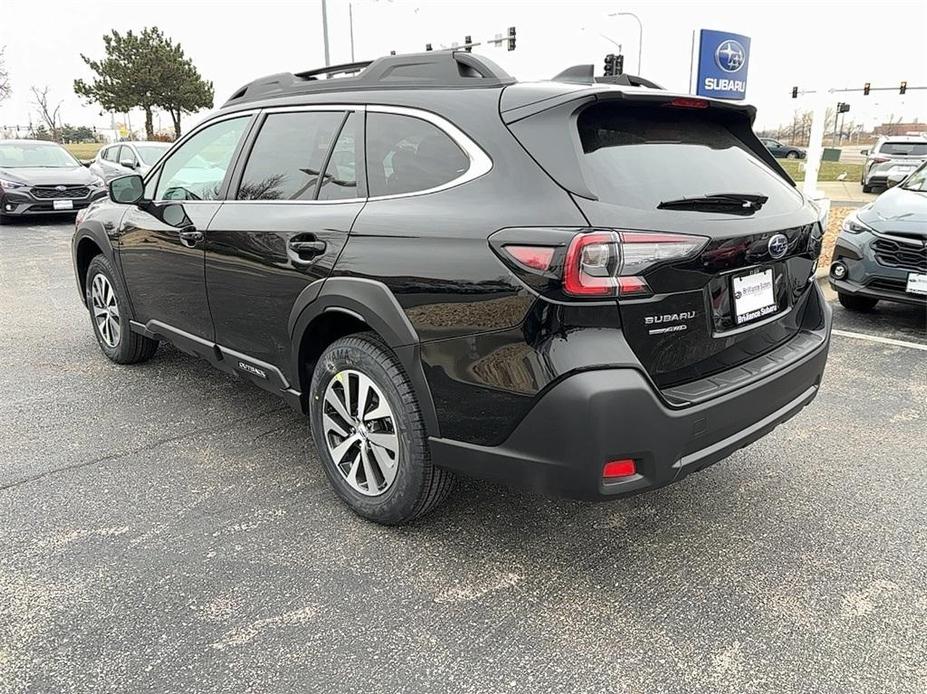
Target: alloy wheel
[[360, 432], [105, 310]]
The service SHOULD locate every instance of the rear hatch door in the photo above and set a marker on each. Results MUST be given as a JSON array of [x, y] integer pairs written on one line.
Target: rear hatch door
[[648, 167]]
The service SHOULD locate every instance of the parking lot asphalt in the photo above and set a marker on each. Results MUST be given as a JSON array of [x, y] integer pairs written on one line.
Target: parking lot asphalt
[[164, 527]]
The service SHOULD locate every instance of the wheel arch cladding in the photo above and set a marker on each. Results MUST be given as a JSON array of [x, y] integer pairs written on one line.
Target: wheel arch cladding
[[86, 250], [343, 305]]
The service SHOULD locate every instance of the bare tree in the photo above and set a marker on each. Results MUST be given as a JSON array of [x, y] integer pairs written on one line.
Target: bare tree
[[50, 116], [5, 89]]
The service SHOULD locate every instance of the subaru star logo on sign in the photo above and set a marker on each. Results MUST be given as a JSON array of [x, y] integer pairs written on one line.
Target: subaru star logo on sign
[[722, 64]]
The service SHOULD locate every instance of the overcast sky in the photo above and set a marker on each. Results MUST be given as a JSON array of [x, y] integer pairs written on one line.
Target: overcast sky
[[809, 44]]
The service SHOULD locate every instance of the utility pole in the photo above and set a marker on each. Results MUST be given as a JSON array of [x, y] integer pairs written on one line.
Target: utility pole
[[325, 31]]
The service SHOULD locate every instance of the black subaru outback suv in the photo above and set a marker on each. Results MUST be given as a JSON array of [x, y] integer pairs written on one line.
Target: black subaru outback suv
[[582, 287]]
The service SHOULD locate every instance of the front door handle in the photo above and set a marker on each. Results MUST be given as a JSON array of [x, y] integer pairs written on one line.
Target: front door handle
[[305, 252], [190, 237]]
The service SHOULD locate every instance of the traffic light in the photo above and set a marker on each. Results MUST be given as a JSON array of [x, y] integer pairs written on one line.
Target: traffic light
[[511, 41], [866, 89], [794, 92], [619, 64], [904, 88], [467, 41], [610, 64], [427, 46]]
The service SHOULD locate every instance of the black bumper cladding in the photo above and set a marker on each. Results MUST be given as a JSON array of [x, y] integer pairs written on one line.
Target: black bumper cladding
[[590, 418]]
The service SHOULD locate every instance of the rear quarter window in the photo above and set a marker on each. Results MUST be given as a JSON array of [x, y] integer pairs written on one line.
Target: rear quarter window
[[407, 155]]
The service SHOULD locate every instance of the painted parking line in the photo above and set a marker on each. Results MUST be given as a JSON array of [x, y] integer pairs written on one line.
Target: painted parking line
[[883, 340]]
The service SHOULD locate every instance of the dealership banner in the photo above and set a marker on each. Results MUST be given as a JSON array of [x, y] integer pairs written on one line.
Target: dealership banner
[[723, 59]]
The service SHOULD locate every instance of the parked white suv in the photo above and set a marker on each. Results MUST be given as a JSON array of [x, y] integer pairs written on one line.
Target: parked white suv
[[896, 156]]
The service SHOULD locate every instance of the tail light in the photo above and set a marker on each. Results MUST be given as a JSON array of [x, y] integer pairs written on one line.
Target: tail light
[[591, 263], [612, 263], [880, 160]]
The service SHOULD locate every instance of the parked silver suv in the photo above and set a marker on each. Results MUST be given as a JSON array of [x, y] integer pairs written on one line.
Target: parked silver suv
[[897, 155]]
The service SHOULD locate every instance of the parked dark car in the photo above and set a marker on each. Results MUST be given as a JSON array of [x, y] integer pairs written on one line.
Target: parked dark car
[[781, 151], [581, 288], [38, 177], [124, 158], [881, 251]]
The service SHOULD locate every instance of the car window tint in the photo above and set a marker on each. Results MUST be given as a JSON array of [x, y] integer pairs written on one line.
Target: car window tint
[[643, 156], [340, 180], [407, 154], [916, 149], [196, 170], [288, 155]]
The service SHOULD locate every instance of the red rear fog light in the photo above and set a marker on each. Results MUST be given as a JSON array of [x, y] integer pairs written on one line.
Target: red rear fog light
[[626, 467]]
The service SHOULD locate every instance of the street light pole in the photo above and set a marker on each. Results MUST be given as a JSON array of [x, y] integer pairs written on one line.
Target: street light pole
[[325, 32], [640, 34], [351, 26]]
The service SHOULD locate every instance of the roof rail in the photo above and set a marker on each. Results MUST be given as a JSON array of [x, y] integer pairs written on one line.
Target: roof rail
[[432, 69], [585, 74]]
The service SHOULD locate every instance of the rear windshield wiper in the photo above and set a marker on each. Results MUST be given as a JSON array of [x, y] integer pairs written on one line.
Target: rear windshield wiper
[[735, 203]]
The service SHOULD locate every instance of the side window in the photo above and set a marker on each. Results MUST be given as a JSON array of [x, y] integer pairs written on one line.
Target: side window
[[288, 155], [126, 154], [406, 154], [196, 170], [111, 153], [340, 180]]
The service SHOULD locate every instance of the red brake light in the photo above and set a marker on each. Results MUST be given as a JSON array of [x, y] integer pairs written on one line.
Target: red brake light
[[534, 257], [880, 160], [591, 266], [609, 263], [625, 467], [687, 102]]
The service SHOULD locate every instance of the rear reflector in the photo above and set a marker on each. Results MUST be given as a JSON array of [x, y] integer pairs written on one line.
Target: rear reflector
[[534, 257], [625, 467]]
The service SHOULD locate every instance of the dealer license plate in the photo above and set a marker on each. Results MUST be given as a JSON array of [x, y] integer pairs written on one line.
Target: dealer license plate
[[917, 284], [753, 296]]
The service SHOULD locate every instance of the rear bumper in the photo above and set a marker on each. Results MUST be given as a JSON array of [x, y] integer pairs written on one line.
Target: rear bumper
[[592, 417]]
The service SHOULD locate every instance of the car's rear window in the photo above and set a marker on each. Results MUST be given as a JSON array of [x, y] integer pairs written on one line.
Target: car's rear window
[[640, 157], [916, 149]]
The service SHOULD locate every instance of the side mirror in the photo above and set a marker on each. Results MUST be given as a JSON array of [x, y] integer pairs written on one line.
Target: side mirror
[[128, 163], [86, 162], [127, 190], [864, 151]]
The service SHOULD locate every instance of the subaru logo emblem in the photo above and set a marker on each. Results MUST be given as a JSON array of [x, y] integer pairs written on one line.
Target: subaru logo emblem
[[778, 245], [60, 188], [730, 55]]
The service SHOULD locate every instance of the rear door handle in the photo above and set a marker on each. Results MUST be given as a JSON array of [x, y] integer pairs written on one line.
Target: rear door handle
[[305, 252], [190, 237]]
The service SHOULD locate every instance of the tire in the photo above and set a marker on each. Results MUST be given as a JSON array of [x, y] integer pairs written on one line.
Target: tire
[[120, 343], [792, 155], [857, 303], [405, 484], [867, 189]]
